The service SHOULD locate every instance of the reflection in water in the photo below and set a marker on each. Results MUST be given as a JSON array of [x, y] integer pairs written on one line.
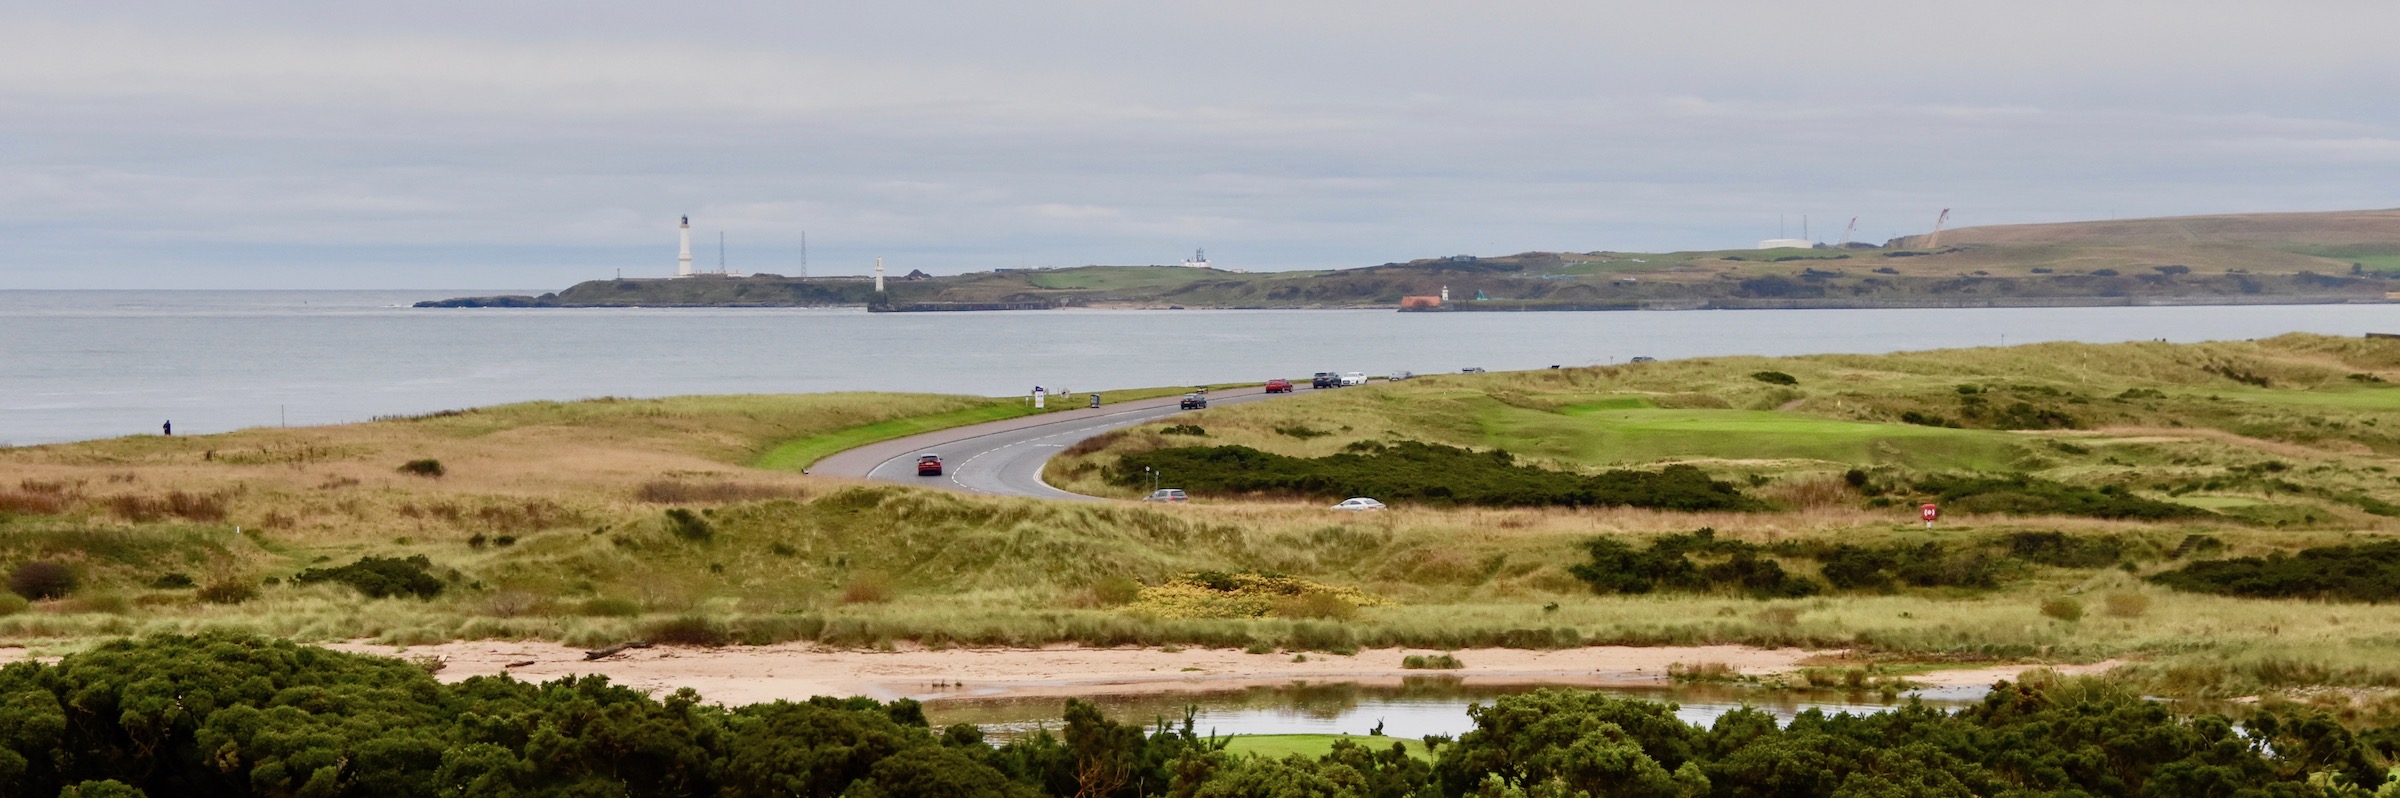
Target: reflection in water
[[1420, 706]]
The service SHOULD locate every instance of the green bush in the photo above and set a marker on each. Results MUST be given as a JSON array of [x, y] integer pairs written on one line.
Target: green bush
[[2022, 494], [222, 714], [426, 467], [381, 577], [42, 579], [689, 525], [2366, 572], [2065, 609], [1429, 473], [227, 591], [173, 580], [1667, 564], [687, 630], [1193, 430], [1417, 662], [1774, 378]]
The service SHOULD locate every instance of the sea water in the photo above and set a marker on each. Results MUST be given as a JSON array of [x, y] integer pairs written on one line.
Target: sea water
[[90, 364]]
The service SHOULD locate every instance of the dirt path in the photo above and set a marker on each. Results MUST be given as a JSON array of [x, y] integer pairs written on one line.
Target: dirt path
[[744, 675]]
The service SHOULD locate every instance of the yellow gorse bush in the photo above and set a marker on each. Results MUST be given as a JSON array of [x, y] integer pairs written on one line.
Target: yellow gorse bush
[[1212, 594]]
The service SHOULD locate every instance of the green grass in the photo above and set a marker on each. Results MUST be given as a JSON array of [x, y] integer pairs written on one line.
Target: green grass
[[1278, 746], [799, 454], [1641, 435], [1119, 278]]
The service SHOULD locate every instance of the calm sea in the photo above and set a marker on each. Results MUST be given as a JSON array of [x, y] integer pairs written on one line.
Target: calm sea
[[89, 364]]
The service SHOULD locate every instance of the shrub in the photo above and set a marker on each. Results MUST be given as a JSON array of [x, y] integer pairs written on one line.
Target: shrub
[[11, 604], [425, 467], [689, 525], [1619, 568], [1429, 473], [1114, 590], [2367, 572], [1193, 430], [42, 579], [2062, 550], [173, 580], [381, 577], [2126, 605], [609, 607], [1301, 431], [227, 591], [867, 589], [2028, 495], [1443, 662], [687, 630], [1315, 604], [478, 541], [1774, 378], [1216, 594], [2062, 608]]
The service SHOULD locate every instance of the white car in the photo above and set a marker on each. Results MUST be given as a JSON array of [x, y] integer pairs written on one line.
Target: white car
[[1354, 378], [1360, 503]]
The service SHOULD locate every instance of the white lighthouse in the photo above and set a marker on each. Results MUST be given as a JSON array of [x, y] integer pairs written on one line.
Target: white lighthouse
[[878, 275], [683, 258]]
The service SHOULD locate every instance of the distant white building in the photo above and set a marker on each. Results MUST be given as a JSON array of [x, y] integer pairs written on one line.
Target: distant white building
[[1198, 260], [683, 258], [1786, 243]]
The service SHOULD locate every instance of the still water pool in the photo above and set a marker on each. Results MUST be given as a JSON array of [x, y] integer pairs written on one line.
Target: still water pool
[[1419, 707]]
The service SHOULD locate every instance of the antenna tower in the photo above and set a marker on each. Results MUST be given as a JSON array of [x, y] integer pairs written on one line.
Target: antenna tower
[[1846, 234], [1935, 241]]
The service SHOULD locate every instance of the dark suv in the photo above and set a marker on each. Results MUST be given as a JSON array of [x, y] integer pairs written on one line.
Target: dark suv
[[1193, 401], [1326, 379]]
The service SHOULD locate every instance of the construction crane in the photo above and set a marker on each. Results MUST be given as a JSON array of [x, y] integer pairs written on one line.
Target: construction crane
[[1846, 234], [1935, 241]]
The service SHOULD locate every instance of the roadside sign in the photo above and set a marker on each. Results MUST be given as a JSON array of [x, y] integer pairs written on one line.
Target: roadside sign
[[1929, 513]]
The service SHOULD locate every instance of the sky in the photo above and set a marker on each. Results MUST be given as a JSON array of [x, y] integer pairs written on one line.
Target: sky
[[531, 145]]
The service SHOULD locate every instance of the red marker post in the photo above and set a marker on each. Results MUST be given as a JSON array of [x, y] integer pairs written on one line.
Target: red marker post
[[1929, 513]]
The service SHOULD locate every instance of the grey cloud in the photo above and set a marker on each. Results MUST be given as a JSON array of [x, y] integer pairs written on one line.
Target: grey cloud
[[532, 145]]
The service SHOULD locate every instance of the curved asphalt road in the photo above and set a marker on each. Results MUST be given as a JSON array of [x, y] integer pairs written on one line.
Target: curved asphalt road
[[1005, 457]]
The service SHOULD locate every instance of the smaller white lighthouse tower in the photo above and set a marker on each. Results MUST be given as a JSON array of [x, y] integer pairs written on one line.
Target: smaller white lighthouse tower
[[683, 259], [878, 275]]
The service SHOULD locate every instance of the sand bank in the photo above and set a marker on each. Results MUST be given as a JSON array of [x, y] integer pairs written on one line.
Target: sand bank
[[751, 674]]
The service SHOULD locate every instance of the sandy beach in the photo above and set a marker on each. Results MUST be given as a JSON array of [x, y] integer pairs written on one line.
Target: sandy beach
[[750, 674]]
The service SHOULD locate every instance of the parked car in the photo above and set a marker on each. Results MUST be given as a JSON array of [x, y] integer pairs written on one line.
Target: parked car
[[1325, 379], [1359, 503], [1354, 378], [1471, 370], [1644, 359], [1193, 401], [929, 465], [1166, 495], [1399, 375], [1279, 386]]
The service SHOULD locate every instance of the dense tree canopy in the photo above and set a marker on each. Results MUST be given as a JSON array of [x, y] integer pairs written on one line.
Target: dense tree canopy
[[226, 715]]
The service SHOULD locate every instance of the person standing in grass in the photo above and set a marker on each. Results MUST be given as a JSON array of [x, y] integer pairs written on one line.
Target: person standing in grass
[[167, 429]]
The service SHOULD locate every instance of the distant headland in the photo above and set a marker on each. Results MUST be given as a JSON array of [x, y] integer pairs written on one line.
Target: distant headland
[[2281, 258]]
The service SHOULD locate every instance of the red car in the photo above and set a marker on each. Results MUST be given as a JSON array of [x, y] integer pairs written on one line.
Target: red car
[[929, 465], [1279, 386]]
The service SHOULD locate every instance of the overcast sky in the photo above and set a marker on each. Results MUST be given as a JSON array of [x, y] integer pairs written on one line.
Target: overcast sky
[[532, 145]]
